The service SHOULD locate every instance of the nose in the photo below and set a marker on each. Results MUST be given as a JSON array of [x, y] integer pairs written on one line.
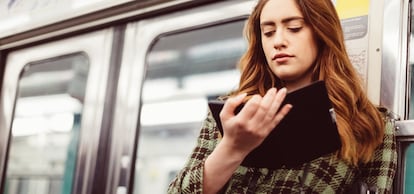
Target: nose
[[279, 40]]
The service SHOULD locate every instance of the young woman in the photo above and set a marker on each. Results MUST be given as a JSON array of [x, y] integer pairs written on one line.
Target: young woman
[[292, 43]]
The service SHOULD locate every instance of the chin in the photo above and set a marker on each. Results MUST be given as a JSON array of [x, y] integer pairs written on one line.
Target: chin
[[287, 78]]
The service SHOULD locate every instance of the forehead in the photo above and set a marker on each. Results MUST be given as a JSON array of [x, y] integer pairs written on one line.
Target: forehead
[[279, 10]]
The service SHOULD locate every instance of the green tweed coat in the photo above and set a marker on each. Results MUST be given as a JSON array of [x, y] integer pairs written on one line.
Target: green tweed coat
[[327, 174]]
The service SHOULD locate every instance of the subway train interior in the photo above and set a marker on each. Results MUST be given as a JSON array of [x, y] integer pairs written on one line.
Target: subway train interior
[[108, 96]]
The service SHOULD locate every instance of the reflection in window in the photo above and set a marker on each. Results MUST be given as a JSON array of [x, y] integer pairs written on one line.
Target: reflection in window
[[46, 123], [409, 169], [184, 70]]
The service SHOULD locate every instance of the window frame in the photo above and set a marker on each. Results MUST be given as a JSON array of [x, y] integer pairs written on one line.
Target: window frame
[[139, 37], [94, 99]]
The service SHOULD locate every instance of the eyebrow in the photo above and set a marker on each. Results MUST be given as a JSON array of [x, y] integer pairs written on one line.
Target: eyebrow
[[284, 21]]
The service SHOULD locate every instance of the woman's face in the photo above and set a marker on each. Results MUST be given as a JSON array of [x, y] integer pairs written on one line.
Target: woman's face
[[288, 42]]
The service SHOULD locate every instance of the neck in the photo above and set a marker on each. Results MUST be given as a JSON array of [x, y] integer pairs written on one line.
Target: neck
[[294, 85]]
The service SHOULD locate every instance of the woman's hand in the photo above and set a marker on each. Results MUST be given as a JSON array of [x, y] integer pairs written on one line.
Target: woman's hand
[[259, 116], [242, 133]]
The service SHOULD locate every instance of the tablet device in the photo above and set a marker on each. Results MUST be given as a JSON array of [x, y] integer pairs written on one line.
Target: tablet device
[[307, 132]]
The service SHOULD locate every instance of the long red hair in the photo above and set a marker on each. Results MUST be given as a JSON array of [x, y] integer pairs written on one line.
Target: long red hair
[[360, 124]]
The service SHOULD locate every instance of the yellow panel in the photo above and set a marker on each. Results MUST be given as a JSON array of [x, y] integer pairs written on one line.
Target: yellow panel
[[352, 8]]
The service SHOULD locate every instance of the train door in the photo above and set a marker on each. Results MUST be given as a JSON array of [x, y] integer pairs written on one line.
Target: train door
[[172, 65], [52, 101], [397, 85]]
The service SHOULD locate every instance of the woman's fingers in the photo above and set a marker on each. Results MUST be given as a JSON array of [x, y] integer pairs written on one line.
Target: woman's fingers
[[282, 113], [275, 113], [277, 101], [267, 107], [231, 105], [260, 114], [255, 121], [250, 108], [262, 110]]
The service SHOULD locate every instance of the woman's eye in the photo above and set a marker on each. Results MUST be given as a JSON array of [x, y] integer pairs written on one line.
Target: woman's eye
[[268, 33], [295, 29]]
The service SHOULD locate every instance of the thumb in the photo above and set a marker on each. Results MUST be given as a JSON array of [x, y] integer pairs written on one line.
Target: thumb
[[230, 105]]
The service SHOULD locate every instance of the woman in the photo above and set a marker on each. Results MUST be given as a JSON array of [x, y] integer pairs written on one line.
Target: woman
[[292, 43]]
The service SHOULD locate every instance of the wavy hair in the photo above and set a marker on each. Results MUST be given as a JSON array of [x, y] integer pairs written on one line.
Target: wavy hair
[[360, 124]]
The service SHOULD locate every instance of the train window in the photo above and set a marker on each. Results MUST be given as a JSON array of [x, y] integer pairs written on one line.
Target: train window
[[409, 169], [184, 70], [46, 123]]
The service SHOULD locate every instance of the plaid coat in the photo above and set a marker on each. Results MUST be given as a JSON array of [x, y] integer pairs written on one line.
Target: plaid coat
[[327, 174]]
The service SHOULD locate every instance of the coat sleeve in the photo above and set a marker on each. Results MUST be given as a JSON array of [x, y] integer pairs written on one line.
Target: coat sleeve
[[190, 178], [381, 170]]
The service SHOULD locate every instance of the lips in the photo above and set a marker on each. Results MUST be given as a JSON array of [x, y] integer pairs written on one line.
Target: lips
[[281, 57]]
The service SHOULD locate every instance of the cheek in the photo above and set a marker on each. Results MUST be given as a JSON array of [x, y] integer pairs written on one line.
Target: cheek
[[267, 51], [311, 51], [311, 55]]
